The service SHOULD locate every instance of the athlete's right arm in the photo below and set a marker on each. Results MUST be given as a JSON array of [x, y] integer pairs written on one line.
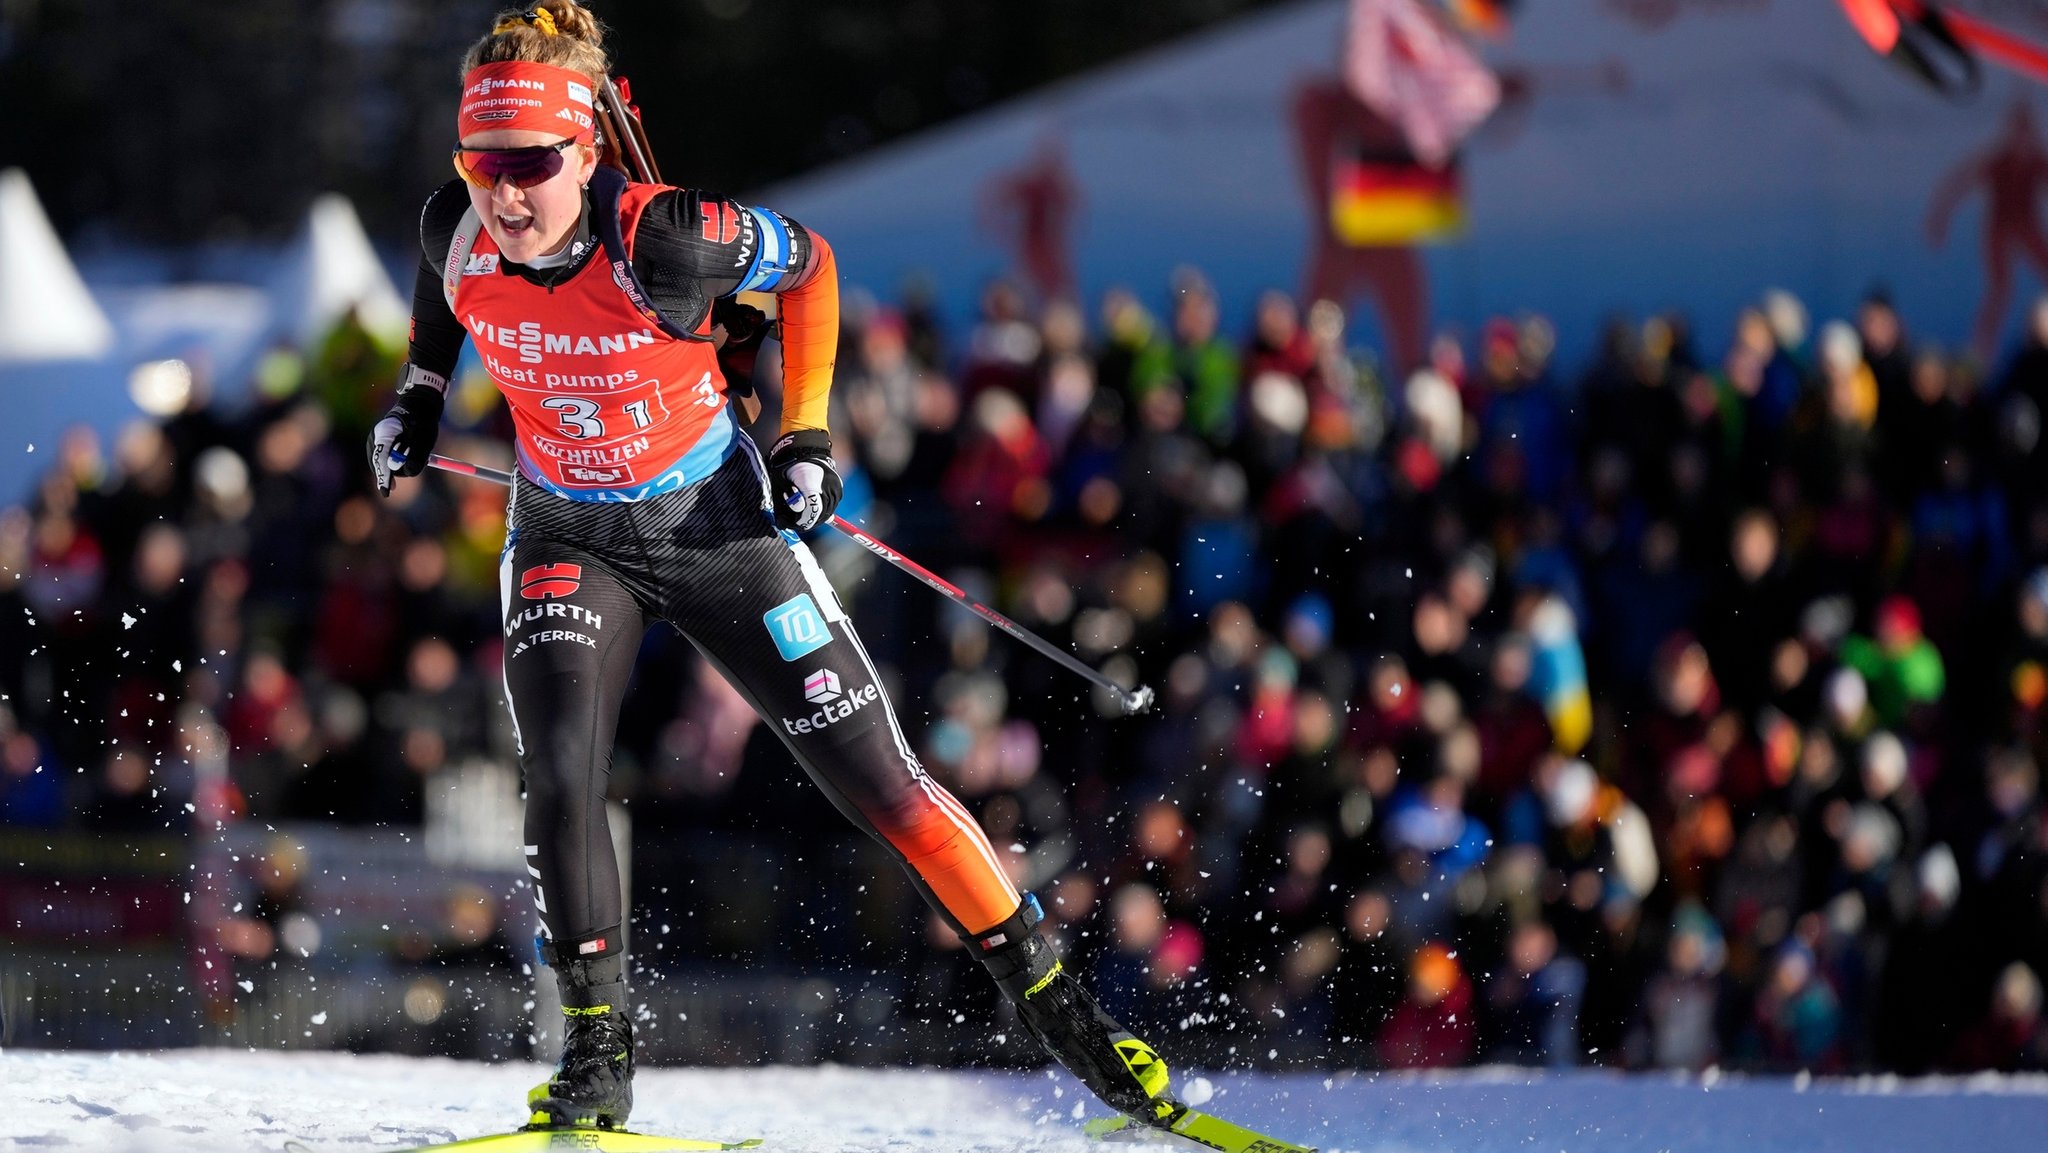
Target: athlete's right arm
[[436, 339], [408, 431]]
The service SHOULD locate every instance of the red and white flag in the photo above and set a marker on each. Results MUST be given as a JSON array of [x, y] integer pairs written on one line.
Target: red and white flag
[[1405, 64]]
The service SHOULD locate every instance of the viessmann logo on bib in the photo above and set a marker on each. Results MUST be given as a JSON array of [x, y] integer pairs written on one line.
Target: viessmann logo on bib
[[823, 689], [529, 341]]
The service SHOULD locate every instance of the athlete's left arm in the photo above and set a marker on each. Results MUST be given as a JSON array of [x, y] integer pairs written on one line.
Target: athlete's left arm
[[809, 288], [716, 247]]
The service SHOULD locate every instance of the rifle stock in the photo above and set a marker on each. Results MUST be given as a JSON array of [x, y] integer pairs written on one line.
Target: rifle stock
[[625, 139]]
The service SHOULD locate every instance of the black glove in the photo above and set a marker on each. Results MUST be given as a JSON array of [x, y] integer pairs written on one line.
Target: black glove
[[739, 345], [743, 324], [807, 487], [404, 439]]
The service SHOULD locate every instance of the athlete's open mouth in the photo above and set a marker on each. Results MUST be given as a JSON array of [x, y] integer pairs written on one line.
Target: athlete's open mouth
[[515, 225]]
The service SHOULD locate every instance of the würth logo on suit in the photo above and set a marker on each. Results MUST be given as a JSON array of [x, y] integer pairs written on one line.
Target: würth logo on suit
[[550, 580], [721, 223]]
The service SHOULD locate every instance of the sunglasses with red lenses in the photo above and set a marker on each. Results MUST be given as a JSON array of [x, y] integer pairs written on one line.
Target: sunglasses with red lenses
[[524, 167]]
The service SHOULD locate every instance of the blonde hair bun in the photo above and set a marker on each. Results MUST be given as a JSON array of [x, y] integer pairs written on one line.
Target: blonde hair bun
[[574, 21], [559, 32]]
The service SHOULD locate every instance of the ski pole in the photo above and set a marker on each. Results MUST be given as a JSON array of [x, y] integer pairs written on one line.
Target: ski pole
[[450, 464], [1136, 700]]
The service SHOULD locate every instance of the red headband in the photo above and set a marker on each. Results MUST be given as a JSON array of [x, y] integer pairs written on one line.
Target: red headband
[[520, 94]]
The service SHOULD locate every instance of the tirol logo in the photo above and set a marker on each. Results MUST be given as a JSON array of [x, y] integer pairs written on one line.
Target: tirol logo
[[480, 264], [797, 628], [821, 687], [721, 223], [550, 580]]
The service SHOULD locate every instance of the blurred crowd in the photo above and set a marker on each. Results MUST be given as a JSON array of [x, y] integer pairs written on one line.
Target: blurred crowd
[[1679, 709]]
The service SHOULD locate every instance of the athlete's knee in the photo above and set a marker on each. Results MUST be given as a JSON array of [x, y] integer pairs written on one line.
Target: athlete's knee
[[898, 800], [921, 827], [559, 770]]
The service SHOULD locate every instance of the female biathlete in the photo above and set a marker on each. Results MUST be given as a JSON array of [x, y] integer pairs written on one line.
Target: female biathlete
[[638, 499]]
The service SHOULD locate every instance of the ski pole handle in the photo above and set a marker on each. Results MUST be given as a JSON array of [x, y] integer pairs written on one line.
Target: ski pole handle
[[1136, 700]]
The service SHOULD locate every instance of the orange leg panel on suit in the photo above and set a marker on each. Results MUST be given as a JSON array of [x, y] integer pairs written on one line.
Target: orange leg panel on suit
[[947, 850]]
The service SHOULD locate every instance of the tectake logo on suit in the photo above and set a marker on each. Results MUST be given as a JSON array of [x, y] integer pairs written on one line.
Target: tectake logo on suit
[[823, 689]]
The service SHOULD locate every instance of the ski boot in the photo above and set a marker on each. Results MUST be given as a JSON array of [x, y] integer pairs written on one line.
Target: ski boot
[[1061, 1015], [592, 1086]]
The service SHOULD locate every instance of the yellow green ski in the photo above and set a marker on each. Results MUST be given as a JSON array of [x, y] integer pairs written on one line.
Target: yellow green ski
[[1203, 1129], [568, 1141]]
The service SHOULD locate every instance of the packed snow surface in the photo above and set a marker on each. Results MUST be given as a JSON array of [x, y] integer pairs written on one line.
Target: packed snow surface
[[226, 1102]]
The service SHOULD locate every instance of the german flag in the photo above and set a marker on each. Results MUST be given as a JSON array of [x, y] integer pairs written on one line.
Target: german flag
[[1383, 201]]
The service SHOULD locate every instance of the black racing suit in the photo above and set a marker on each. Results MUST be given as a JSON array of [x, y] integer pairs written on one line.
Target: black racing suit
[[580, 582]]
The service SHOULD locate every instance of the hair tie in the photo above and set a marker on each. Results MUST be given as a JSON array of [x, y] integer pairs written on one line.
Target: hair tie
[[539, 18]]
